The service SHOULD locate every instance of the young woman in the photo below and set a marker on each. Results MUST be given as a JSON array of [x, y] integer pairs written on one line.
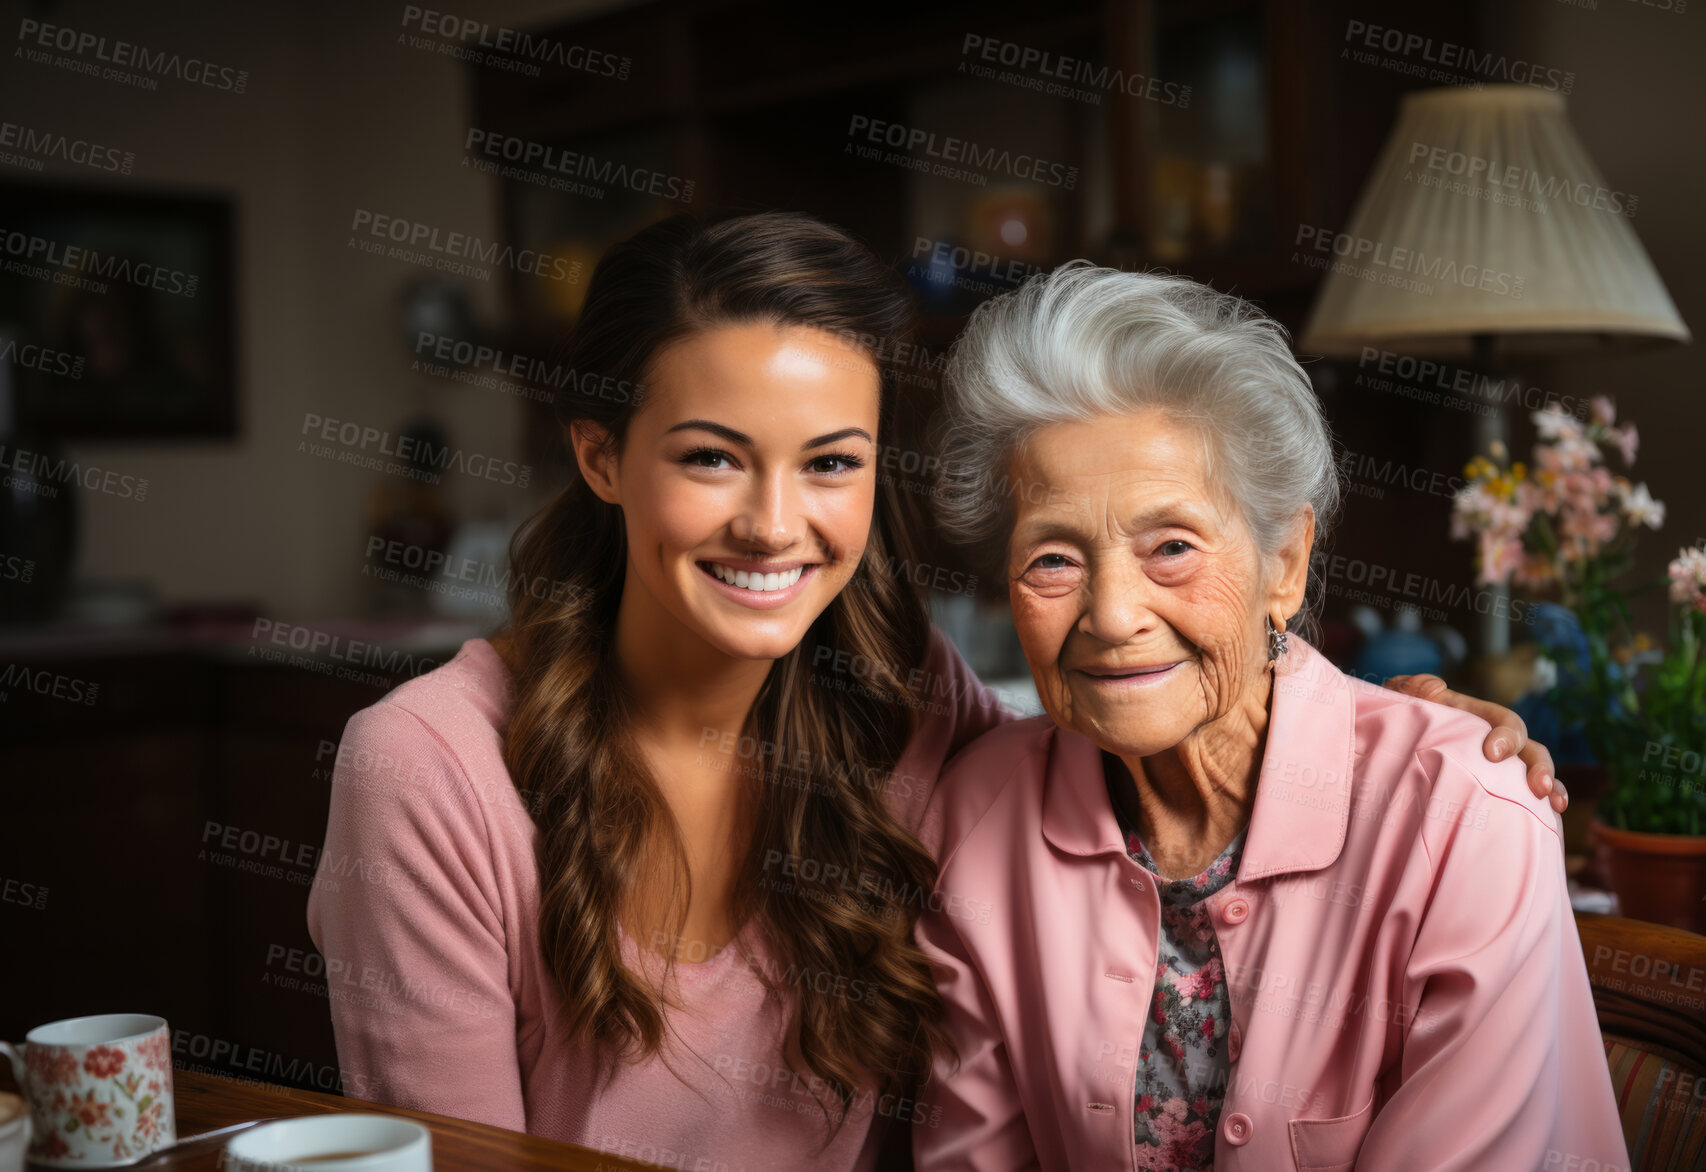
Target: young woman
[[641, 872]]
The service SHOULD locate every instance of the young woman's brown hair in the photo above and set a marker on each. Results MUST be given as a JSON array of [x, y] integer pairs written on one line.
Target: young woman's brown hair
[[816, 791]]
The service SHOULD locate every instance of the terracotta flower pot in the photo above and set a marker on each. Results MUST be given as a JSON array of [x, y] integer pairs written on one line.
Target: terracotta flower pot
[[1660, 878]]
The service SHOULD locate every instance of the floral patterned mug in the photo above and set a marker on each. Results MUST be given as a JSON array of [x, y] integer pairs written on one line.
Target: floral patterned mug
[[100, 1089]]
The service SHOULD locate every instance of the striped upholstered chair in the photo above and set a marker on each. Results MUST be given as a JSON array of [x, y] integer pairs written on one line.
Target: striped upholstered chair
[[1649, 986]]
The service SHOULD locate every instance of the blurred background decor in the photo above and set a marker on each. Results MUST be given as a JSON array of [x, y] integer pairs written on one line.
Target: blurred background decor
[[1486, 233], [1564, 525], [190, 547]]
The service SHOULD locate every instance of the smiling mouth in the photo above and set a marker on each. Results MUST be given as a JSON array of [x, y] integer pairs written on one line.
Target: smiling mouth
[[758, 580], [1131, 673]]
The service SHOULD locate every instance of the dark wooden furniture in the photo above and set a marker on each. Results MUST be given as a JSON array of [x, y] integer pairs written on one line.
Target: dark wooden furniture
[[170, 793], [1649, 989], [1649, 983], [206, 1102]]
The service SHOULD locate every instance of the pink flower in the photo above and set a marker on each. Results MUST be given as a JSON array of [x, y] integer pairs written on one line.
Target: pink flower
[[1189, 986], [1145, 1104], [1199, 986], [1499, 556], [51, 1067], [1169, 1131], [1688, 578], [1626, 441], [1554, 424], [1187, 1146], [1538, 494], [104, 1061], [154, 1052], [1576, 454], [90, 1110], [53, 1147], [1208, 1027]]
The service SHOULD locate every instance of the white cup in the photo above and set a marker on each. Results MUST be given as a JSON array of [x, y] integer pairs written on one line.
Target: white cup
[[366, 1143], [14, 1132], [100, 1089]]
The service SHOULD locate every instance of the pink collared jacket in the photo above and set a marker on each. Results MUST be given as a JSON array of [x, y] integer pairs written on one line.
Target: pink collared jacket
[[1408, 990]]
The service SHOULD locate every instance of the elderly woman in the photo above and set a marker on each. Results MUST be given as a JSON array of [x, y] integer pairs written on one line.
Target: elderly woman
[[1224, 904]]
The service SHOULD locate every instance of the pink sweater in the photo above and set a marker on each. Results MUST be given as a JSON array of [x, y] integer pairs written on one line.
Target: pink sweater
[[440, 997]]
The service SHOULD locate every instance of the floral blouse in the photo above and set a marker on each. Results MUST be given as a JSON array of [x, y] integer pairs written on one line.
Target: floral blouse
[[1182, 1065]]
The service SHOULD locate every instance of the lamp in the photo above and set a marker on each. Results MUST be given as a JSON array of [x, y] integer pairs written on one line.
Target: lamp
[[1485, 216], [1485, 231]]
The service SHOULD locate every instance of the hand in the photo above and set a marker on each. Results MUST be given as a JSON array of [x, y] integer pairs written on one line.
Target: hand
[[1509, 734]]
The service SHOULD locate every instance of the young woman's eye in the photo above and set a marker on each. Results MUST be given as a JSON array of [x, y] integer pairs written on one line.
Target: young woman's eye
[[1175, 548], [835, 464], [707, 458]]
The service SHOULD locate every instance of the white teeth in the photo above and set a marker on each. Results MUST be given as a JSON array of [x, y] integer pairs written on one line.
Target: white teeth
[[758, 583]]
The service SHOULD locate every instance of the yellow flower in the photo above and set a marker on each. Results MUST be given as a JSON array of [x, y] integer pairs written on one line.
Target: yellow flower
[[1480, 468]]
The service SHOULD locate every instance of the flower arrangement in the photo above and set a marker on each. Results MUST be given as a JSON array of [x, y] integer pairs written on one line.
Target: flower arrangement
[[1566, 526]]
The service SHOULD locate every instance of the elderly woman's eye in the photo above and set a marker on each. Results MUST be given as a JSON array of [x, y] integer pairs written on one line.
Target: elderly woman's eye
[[1052, 574], [1175, 548]]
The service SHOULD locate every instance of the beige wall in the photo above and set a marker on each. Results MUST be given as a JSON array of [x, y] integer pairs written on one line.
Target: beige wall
[[337, 115]]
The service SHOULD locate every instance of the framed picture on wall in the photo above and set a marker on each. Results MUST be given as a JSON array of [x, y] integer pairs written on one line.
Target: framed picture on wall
[[116, 312]]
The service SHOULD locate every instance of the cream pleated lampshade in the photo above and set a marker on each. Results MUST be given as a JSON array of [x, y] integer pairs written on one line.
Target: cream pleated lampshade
[[1484, 215]]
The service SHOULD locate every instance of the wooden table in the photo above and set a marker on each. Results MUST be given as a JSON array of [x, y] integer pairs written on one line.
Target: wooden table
[[207, 1101]]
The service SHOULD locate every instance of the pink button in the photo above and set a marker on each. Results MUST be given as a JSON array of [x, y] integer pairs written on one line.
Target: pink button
[[1236, 1129], [1236, 911], [1234, 1043]]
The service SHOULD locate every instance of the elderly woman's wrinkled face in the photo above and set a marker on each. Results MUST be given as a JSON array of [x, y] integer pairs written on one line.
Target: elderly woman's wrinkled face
[[1137, 589]]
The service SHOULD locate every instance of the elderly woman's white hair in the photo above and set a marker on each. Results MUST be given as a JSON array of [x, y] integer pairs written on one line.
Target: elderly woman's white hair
[[1083, 342]]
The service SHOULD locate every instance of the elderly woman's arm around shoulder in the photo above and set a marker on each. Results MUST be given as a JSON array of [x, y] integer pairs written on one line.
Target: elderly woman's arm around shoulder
[[1502, 1066]]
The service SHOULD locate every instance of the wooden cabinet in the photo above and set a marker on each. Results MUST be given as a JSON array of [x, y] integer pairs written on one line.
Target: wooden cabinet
[[165, 803]]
